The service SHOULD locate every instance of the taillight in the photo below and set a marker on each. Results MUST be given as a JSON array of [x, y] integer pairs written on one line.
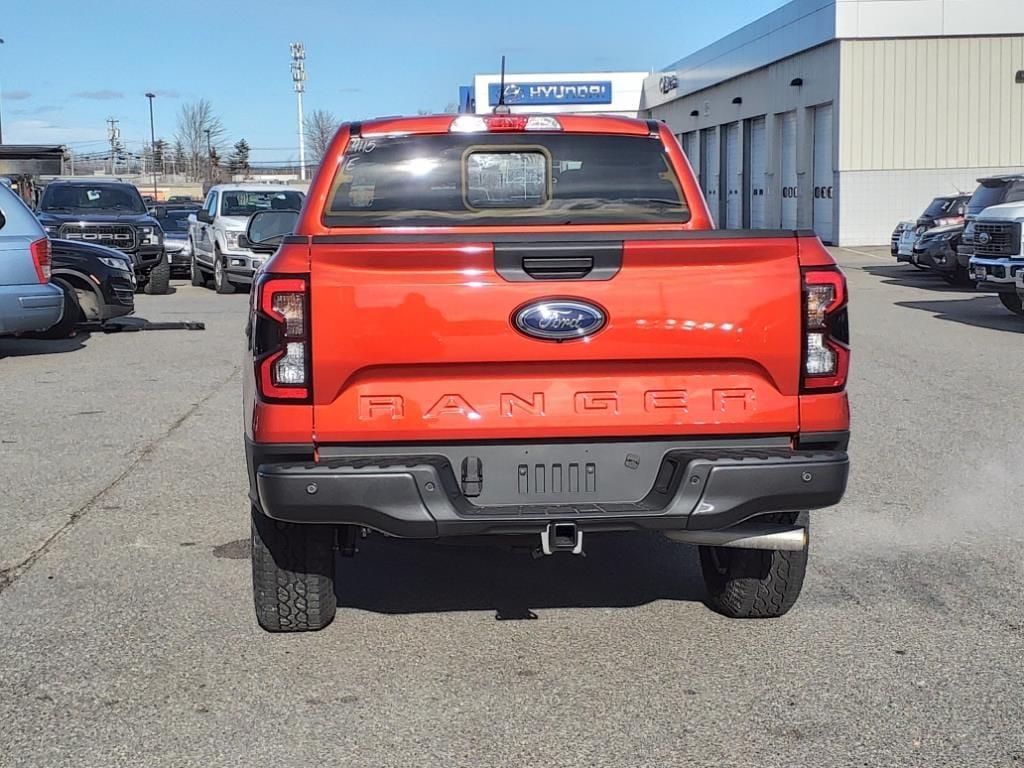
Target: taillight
[[949, 221], [41, 259], [826, 357], [280, 338]]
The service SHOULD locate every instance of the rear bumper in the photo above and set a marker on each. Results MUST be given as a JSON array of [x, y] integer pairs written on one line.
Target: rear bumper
[[416, 494], [28, 308]]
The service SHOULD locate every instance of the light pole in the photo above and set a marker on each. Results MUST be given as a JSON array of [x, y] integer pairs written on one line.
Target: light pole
[[299, 82], [1, 107], [152, 140]]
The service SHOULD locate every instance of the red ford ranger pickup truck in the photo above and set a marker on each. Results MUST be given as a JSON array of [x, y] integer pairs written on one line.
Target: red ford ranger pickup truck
[[525, 330]]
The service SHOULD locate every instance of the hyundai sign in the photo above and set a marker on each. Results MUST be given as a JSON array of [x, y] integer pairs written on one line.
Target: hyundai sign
[[547, 94]]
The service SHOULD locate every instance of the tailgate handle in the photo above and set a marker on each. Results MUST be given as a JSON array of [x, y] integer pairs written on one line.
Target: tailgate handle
[[571, 268], [545, 260]]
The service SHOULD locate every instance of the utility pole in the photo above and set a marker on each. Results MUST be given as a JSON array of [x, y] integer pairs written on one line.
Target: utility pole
[[209, 156], [114, 134], [152, 140], [299, 83], [1, 107]]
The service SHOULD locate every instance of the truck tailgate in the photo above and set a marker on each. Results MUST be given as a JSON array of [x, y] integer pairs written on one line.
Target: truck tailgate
[[414, 341]]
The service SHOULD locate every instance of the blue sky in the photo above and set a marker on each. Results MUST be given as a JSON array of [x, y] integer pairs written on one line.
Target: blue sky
[[67, 66]]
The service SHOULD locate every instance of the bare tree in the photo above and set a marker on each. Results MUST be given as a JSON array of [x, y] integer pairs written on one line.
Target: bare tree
[[321, 126], [196, 121]]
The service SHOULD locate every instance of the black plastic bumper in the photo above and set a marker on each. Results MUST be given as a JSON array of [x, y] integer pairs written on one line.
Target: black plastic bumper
[[418, 495]]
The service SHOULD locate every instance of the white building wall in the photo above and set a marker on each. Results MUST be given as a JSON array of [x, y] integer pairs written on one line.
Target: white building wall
[[922, 117]]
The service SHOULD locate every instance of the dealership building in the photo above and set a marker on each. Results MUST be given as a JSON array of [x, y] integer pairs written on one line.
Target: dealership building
[[847, 116], [842, 116]]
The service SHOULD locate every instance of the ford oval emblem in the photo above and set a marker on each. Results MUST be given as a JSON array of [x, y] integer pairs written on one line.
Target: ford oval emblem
[[559, 319], [984, 237]]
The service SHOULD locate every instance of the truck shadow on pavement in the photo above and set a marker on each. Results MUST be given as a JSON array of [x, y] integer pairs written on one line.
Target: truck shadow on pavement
[[26, 347], [394, 576], [981, 311], [910, 277]]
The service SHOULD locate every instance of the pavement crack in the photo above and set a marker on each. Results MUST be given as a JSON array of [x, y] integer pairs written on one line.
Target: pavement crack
[[9, 575]]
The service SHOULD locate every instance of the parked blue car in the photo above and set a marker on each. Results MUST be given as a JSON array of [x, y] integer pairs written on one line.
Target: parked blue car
[[28, 301]]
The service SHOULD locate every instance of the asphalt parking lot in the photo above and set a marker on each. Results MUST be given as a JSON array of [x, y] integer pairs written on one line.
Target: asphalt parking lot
[[127, 635]]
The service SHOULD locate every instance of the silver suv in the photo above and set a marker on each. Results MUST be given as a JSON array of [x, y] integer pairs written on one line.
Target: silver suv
[[28, 301]]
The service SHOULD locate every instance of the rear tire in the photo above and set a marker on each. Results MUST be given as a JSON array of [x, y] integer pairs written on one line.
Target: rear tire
[[159, 278], [71, 317], [197, 275], [292, 575], [754, 583], [1013, 302], [220, 275]]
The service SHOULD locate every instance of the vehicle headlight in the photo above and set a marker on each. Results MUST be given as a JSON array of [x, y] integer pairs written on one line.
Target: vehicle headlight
[[53, 230], [231, 240], [113, 263], [151, 235]]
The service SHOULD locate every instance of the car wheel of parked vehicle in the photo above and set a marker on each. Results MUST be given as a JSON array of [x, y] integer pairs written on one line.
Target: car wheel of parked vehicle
[[159, 278], [198, 276], [292, 575], [1012, 302], [71, 317], [220, 275], [754, 583]]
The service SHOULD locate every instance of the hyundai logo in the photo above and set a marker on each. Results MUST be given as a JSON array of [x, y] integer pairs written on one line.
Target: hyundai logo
[[559, 319], [984, 237]]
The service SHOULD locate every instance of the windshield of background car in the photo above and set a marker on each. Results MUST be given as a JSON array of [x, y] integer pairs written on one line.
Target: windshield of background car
[[84, 198], [246, 203], [174, 221], [995, 194], [502, 178]]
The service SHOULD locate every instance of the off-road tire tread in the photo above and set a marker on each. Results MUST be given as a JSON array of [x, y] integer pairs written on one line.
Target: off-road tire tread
[[292, 575], [1012, 302], [761, 584], [159, 278]]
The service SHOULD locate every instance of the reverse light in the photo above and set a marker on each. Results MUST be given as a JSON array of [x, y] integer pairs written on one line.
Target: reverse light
[[42, 259], [826, 358], [280, 338], [503, 123]]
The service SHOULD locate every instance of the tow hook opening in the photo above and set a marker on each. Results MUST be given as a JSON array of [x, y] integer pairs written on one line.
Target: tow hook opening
[[561, 537]]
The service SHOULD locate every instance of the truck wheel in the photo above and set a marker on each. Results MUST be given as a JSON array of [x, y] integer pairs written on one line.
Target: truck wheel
[[71, 317], [754, 583], [292, 575], [220, 275], [159, 278], [198, 278], [1012, 302]]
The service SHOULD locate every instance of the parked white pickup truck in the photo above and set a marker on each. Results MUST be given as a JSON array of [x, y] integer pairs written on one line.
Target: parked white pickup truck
[[215, 229], [998, 260]]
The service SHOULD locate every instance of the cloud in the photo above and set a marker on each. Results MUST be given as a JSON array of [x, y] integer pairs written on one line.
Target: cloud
[[42, 109], [17, 95], [103, 95], [44, 132]]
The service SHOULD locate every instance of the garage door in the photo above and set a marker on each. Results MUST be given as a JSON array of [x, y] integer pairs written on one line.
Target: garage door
[[757, 207], [689, 144], [823, 176], [709, 170], [733, 185], [790, 191]]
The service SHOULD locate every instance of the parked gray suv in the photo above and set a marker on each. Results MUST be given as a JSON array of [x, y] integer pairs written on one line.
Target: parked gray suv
[[28, 301]]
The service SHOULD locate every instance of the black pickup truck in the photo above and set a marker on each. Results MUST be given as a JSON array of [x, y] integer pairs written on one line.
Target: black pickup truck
[[110, 213]]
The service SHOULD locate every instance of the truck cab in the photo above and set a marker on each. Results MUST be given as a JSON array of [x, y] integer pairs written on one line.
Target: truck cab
[[524, 330], [998, 259], [108, 212], [214, 231]]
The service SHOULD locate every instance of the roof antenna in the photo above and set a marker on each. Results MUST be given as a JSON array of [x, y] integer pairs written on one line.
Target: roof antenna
[[501, 108]]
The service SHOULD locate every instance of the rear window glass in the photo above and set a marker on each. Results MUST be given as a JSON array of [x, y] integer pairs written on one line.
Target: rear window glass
[[939, 206], [247, 202], [985, 195], [502, 178]]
